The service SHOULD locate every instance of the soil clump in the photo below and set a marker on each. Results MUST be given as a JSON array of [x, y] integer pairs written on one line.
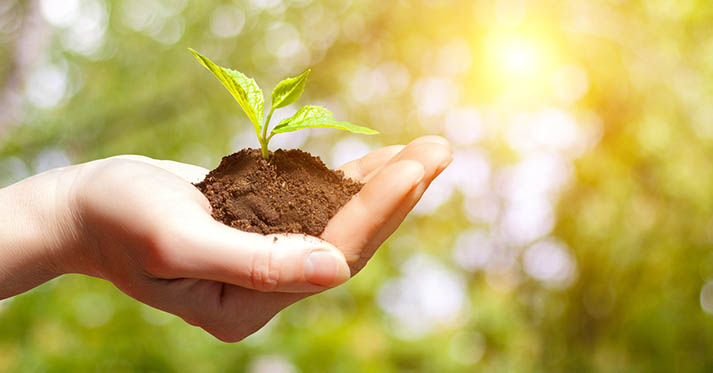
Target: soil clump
[[292, 192]]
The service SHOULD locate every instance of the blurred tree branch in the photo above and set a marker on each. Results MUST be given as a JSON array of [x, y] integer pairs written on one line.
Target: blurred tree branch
[[32, 38]]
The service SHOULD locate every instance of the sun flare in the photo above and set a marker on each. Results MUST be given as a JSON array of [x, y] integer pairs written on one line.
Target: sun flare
[[518, 57]]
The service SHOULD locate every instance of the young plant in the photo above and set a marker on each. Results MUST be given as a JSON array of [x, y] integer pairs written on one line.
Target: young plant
[[249, 96]]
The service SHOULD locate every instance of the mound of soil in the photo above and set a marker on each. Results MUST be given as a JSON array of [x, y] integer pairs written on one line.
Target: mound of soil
[[293, 192]]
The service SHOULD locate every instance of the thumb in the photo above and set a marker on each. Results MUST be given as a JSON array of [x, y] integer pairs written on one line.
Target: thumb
[[206, 249]]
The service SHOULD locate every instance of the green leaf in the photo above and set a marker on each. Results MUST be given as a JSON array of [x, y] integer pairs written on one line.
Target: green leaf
[[306, 112], [289, 90], [245, 91], [312, 116]]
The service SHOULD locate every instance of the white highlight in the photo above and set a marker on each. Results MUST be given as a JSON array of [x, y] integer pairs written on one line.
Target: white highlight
[[426, 296], [550, 262], [227, 21], [271, 364], [706, 297], [47, 86]]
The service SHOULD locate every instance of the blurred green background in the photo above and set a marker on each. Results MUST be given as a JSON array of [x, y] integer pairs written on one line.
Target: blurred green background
[[572, 233]]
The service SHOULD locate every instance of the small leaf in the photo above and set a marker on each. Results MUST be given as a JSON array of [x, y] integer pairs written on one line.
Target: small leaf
[[289, 90], [255, 98], [325, 123], [245, 91], [312, 116], [306, 112]]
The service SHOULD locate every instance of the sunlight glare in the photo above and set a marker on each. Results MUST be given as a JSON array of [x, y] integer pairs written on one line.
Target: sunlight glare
[[518, 57]]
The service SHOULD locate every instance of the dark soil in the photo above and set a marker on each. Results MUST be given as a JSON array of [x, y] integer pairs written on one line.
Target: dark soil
[[293, 192]]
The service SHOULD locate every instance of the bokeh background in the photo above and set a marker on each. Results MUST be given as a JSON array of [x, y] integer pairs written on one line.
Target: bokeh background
[[572, 232]]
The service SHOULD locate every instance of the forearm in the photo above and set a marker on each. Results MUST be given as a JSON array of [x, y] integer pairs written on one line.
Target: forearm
[[34, 231]]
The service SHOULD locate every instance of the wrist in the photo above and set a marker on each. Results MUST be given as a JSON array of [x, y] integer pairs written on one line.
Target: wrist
[[38, 233]]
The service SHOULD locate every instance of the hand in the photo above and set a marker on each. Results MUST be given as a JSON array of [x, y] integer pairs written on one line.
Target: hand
[[396, 177], [140, 224]]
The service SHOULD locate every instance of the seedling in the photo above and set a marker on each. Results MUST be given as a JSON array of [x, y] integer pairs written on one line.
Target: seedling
[[249, 96]]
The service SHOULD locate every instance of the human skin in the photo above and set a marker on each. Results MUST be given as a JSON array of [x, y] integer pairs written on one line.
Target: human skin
[[140, 224]]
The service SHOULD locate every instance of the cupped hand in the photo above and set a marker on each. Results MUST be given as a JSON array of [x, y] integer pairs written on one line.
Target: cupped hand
[[139, 223]]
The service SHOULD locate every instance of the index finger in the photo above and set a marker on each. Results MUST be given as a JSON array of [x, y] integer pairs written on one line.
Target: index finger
[[188, 172], [361, 225], [361, 169]]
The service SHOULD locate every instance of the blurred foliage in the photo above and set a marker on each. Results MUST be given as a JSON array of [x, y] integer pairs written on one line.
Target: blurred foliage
[[572, 233]]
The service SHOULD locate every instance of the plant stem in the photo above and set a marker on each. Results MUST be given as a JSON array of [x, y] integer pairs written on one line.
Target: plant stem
[[267, 123], [264, 140], [263, 147]]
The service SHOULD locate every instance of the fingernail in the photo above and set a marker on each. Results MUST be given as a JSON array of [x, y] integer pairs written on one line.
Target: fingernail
[[432, 140], [439, 140], [414, 171], [325, 269], [444, 164]]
